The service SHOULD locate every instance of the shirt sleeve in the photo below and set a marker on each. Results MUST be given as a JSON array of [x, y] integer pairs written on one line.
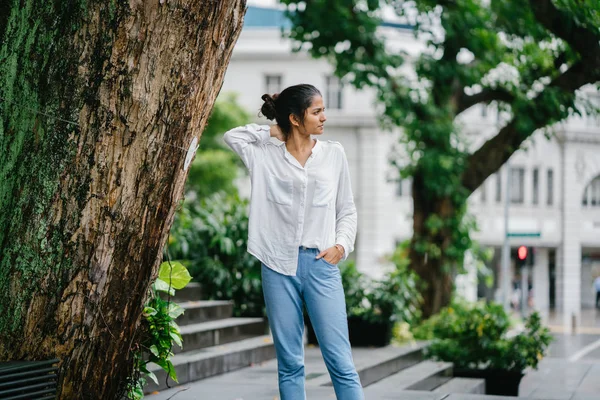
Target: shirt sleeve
[[247, 140], [346, 216]]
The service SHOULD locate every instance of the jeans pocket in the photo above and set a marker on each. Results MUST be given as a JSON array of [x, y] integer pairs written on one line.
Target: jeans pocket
[[328, 263]]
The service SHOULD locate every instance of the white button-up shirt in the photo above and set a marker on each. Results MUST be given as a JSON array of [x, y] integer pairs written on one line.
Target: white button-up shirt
[[291, 205]]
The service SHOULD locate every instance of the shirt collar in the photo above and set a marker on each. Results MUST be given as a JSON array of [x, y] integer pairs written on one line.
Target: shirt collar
[[316, 148]]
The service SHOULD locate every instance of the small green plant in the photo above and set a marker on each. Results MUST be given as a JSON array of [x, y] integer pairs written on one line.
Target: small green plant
[[391, 299], [159, 329], [475, 336]]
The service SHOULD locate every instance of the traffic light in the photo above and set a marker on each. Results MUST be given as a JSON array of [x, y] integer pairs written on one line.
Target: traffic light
[[524, 256], [522, 252]]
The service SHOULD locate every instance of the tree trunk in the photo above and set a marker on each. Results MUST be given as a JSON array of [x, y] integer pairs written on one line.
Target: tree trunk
[[434, 268], [99, 101]]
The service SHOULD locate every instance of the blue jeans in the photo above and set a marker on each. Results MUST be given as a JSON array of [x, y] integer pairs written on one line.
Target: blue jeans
[[318, 285]]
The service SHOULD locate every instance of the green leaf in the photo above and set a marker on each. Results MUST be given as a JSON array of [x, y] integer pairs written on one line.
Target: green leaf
[[174, 274], [149, 311], [176, 338], [163, 286], [154, 350], [152, 376], [175, 310]]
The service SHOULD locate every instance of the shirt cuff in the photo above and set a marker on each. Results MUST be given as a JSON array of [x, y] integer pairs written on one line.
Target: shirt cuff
[[265, 132], [345, 246]]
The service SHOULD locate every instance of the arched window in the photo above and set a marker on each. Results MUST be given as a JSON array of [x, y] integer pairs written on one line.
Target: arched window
[[591, 194]]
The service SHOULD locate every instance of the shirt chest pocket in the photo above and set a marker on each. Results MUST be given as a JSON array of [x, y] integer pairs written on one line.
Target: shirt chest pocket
[[280, 190], [324, 193]]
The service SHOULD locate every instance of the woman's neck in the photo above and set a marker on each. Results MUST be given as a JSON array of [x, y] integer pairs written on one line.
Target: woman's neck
[[299, 143]]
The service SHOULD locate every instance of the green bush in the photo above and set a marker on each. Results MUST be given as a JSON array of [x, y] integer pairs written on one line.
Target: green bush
[[210, 238], [393, 298], [475, 336]]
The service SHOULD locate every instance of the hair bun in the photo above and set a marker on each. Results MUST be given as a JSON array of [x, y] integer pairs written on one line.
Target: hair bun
[[268, 108]]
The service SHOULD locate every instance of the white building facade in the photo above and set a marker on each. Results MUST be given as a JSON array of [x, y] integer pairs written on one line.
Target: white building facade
[[555, 184]]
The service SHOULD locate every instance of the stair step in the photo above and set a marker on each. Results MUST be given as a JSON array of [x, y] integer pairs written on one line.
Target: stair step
[[462, 385], [192, 291], [466, 396], [213, 333], [385, 361], [205, 310], [203, 363], [426, 375]]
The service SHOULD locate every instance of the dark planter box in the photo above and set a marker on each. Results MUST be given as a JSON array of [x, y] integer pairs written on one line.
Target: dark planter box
[[497, 381], [362, 333]]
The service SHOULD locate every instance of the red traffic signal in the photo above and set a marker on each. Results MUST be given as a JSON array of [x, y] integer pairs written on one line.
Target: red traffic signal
[[522, 252]]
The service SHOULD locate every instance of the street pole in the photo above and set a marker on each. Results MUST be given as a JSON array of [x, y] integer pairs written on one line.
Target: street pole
[[506, 245], [524, 289]]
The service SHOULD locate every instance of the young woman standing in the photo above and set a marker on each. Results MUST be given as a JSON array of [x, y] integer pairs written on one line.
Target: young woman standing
[[302, 223]]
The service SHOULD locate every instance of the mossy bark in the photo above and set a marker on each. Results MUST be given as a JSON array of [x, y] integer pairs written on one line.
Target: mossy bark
[[99, 101]]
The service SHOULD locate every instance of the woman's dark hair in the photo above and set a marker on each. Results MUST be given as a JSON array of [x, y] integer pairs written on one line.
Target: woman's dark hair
[[293, 100]]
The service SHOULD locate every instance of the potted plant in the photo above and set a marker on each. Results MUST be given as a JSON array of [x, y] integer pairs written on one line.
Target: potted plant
[[374, 306], [476, 339]]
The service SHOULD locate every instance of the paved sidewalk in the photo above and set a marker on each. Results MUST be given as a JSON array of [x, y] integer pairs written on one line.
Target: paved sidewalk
[[258, 381], [559, 379], [556, 379]]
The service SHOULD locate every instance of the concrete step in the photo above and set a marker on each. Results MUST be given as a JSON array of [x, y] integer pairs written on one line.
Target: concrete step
[[203, 363], [426, 375], [411, 395], [204, 311], [467, 396], [192, 291], [462, 385], [381, 363], [213, 333]]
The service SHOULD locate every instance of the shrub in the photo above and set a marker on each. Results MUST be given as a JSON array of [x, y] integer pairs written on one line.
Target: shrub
[[475, 336]]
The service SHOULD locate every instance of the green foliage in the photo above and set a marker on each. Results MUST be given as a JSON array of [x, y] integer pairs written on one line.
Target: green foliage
[[210, 238], [393, 298], [159, 329], [477, 336], [226, 114], [213, 171], [215, 168]]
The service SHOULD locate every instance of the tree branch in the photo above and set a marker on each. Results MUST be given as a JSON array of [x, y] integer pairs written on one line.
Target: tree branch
[[485, 96], [497, 150], [584, 41]]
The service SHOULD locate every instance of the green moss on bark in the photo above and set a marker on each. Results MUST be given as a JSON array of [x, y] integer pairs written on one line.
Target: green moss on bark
[[38, 89]]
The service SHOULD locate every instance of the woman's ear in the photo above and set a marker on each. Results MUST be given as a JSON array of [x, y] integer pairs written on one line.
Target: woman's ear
[[294, 120]]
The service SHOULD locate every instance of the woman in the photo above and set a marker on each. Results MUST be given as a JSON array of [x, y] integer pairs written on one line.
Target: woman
[[302, 223]]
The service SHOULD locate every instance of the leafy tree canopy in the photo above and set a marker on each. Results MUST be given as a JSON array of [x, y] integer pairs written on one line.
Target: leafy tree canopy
[[529, 58]]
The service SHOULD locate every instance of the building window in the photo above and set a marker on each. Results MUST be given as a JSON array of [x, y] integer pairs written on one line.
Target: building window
[[333, 93], [399, 183], [517, 185], [536, 186], [550, 187], [498, 187], [483, 192], [272, 84], [591, 195]]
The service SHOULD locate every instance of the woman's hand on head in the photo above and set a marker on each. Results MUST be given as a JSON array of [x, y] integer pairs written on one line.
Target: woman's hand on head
[[332, 255], [277, 133]]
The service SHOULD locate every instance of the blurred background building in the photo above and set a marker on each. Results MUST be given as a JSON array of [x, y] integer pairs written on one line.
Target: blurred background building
[[554, 184]]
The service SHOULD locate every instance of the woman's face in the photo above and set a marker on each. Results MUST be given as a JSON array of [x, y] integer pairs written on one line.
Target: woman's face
[[314, 117]]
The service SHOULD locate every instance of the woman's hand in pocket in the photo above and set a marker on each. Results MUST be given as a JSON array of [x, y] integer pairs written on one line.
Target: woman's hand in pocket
[[332, 255]]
